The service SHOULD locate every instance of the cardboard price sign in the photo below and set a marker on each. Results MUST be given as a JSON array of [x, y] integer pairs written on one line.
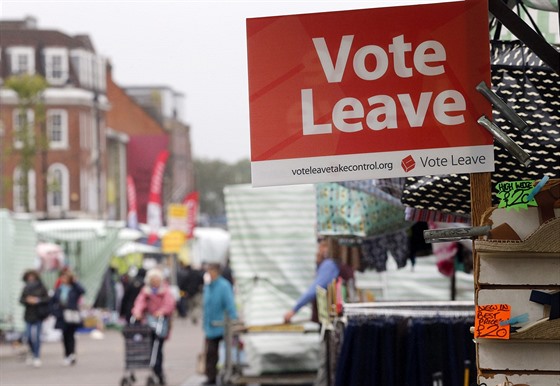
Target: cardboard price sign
[[487, 321], [371, 93]]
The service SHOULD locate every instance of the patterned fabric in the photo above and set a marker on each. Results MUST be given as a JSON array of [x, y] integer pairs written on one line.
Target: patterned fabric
[[349, 212], [532, 89], [388, 188], [375, 250]]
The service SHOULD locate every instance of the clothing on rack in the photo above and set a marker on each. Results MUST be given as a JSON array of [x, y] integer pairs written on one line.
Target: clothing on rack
[[395, 350]]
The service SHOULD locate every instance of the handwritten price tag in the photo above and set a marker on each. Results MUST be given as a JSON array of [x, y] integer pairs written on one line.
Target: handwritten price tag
[[514, 194], [487, 321]]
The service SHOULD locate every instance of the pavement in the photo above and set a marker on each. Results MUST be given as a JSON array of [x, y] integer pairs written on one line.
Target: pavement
[[101, 362]]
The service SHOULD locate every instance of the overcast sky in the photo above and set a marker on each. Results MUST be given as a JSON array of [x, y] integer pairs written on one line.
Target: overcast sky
[[198, 48]]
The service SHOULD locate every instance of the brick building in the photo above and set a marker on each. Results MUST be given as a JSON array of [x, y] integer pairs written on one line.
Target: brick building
[[67, 177], [97, 132]]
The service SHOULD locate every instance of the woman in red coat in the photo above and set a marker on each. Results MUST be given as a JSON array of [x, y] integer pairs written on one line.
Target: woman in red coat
[[155, 301]]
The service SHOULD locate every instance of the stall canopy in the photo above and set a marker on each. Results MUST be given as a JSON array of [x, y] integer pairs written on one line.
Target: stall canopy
[[17, 254], [273, 261], [88, 246]]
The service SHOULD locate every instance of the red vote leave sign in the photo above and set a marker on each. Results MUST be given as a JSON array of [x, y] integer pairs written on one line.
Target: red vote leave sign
[[373, 93]]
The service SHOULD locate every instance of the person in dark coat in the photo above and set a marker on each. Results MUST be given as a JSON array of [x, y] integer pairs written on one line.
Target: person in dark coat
[[131, 290], [35, 298], [66, 298], [192, 284]]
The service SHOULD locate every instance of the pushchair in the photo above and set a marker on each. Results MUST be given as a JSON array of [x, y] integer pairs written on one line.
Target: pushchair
[[140, 353]]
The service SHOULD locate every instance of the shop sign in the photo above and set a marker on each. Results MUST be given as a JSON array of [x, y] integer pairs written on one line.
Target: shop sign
[[172, 242], [177, 215]]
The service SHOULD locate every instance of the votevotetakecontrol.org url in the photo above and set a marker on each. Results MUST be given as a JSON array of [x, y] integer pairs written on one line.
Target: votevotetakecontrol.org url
[[343, 168]]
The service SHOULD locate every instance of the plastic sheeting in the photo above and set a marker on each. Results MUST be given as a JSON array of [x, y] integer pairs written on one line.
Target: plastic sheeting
[[17, 254], [88, 246], [273, 245]]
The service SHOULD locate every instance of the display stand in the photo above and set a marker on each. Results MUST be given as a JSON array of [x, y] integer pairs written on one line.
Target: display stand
[[506, 277]]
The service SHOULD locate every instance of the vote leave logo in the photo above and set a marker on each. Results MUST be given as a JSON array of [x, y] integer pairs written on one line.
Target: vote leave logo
[[337, 84], [408, 163]]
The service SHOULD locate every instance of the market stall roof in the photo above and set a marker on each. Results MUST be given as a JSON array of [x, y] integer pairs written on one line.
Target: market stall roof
[[88, 246], [135, 247], [82, 229]]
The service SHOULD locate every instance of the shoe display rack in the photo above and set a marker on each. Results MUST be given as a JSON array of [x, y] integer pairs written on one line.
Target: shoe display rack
[[518, 264]]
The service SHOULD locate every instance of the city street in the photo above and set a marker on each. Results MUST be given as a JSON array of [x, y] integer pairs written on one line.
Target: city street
[[101, 361]]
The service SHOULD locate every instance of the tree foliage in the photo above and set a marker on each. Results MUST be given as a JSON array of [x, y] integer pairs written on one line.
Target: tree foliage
[[29, 89], [212, 176]]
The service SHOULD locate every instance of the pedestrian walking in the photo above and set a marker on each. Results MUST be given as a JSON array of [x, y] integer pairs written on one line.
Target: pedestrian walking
[[155, 304], [65, 307], [192, 283], [35, 299], [218, 300], [132, 287]]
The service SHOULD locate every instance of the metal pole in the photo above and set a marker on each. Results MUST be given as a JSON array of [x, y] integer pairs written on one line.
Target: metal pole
[[44, 165], [98, 160], [1, 164]]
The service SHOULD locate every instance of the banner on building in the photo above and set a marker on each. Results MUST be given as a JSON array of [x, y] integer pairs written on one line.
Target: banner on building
[[367, 94], [154, 210]]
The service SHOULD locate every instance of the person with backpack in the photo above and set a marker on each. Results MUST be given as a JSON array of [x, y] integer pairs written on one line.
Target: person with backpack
[[35, 299]]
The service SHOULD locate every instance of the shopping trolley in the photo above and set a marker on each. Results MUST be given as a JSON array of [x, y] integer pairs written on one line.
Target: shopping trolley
[[140, 353]]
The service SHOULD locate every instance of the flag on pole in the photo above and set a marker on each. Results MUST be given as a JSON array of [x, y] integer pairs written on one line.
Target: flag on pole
[[154, 209], [132, 215], [191, 201]]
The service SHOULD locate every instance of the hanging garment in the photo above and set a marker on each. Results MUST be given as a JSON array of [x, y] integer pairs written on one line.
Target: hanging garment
[[375, 250]]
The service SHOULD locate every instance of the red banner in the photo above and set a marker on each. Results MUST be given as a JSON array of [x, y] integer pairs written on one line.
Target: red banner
[[154, 210], [132, 216], [351, 95], [191, 201]]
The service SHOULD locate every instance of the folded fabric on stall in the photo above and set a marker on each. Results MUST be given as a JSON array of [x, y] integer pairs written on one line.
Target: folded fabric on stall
[[350, 212], [388, 188]]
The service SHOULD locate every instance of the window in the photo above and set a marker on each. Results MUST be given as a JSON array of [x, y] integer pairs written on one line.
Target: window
[[22, 60], [21, 193], [56, 65], [82, 61], [57, 129], [23, 128], [59, 187]]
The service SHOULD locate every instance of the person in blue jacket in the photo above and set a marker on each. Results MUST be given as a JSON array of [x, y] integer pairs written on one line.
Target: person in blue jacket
[[218, 300], [327, 271]]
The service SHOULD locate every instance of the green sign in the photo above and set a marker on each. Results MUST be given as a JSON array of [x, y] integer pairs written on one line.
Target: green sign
[[513, 194]]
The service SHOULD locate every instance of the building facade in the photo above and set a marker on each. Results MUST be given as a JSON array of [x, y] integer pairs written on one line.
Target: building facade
[[166, 106], [93, 133], [67, 170]]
